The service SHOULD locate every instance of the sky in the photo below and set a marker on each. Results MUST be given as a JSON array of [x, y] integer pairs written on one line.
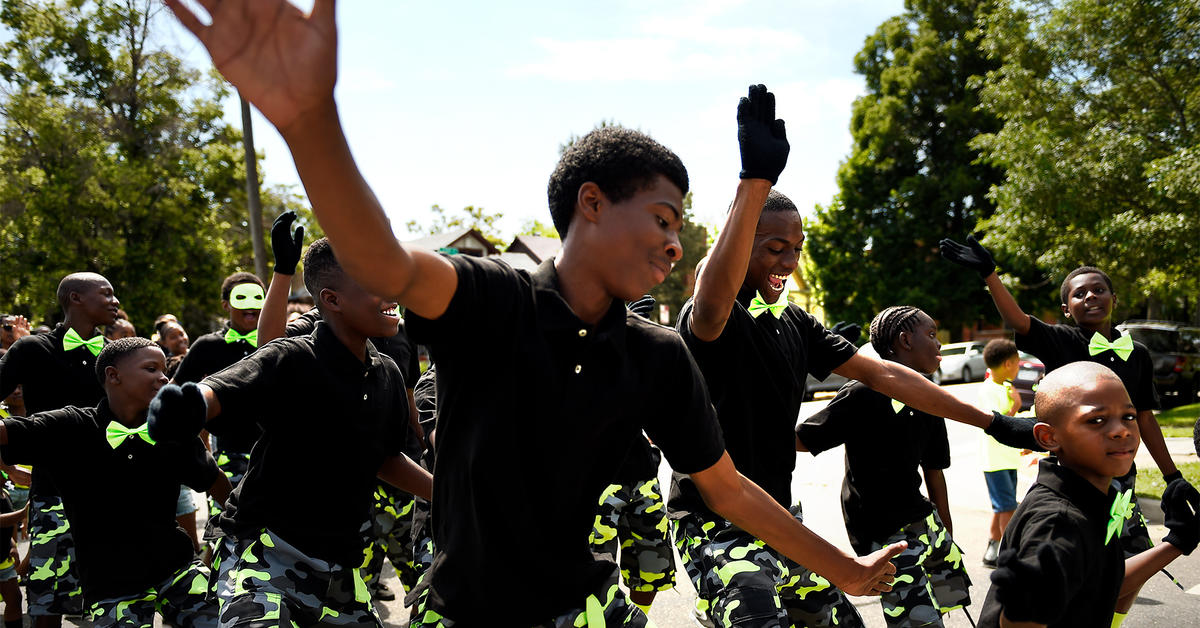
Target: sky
[[462, 104]]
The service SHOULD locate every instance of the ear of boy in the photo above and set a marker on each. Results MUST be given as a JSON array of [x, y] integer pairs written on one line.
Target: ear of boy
[[1043, 433], [177, 413]]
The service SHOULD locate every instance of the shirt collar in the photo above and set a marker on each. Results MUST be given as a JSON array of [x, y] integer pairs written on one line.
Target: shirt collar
[[1079, 491], [746, 295], [334, 353], [554, 313]]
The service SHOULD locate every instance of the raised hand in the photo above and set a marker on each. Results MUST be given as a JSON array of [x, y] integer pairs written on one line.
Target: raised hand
[[177, 413], [972, 255], [281, 60], [285, 245], [762, 139]]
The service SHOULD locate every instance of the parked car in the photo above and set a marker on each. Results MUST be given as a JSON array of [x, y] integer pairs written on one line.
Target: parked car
[[961, 362], [1029, 374], [1175, 350]]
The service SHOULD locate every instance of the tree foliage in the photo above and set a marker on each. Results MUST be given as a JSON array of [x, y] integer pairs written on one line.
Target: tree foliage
[[911, 178], [114, 159], [1101, 104], [469, 217]]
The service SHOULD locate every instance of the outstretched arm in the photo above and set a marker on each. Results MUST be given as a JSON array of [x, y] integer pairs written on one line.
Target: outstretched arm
[[285, 63], [401, 472], [974, 256], [764, 149], [729, 494]]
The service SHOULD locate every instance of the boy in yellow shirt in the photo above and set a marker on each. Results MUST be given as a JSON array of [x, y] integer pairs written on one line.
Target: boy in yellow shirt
[[1000, 462]]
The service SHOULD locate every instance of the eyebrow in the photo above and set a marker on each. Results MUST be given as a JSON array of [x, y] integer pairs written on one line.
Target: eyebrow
[[675, 210]]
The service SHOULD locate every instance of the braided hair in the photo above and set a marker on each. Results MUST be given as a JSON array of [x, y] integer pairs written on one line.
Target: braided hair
[[889, 324]]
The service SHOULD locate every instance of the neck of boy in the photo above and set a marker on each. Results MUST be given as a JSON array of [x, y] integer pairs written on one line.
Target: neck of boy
[[353, 340], [128, 412], [997, 379], [581, 288], [1104, 329], [85, 328]]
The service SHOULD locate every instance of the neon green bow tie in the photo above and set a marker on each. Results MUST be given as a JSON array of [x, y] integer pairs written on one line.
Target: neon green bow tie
[[1120, 511], [73, 341], [758, 305], [116, 433], [1122, 346], [897, 406], [232, 335]]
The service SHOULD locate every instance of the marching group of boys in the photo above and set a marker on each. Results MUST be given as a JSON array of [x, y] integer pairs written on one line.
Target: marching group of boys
[[545, 414]]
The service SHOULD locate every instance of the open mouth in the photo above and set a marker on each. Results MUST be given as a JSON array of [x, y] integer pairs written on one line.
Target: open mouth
[[776, 282], [391, 311]]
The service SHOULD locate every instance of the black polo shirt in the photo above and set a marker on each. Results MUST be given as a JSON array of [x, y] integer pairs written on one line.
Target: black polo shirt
[[51, 378], [881, 492], [120, 502], [536, 409], [398, 347], [329, 420], [211, 354], [1065, 575], [756, 371], [1059, 345]]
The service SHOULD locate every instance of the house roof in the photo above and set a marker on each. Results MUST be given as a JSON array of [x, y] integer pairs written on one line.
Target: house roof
[[462, 239], [539, 248]]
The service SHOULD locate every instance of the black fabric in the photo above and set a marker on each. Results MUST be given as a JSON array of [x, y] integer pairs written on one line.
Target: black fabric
[[50, 379], [756, 371], [329, 420], [1055, 568], [304, 324], [1059, 345], [120, 502], [534, 403], [398, 347], [236, 433], [640, 464], [6, 533], [885, 449]]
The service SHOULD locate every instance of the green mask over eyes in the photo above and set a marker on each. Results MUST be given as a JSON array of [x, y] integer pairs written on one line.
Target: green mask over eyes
[[247, 296]]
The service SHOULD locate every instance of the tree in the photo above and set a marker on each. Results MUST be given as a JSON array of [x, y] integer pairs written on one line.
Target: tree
[[535, 227], [471, 217], [114, 159], [911, 178], [1101, 104]]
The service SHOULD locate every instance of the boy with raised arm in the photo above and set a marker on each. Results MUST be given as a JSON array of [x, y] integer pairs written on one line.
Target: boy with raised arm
[[602, 374]]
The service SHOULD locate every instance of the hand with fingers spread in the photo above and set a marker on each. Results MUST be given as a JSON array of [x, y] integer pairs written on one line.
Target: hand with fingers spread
[[281, 60], [972, 255], [761, 138], [286, 245], [876, 572]]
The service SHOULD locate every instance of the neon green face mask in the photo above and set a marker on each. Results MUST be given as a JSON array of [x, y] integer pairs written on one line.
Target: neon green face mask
[[247, 296]]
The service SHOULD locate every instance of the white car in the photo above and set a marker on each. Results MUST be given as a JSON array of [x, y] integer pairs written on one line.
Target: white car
[[961, 362]]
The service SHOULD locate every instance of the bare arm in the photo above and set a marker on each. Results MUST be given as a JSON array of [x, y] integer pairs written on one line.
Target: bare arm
[[910, 388], [220, 489], [935, 485], [1012, 313], [1140, 567], [406, 475], [722, 276], [729, 494], [1152, 438], [272, 319], [14, 518]]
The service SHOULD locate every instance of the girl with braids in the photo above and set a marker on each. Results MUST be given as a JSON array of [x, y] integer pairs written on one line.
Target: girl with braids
[[886, 443]]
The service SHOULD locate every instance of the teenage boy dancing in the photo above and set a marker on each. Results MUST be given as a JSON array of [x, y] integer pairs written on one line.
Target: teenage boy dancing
[[599, 373]]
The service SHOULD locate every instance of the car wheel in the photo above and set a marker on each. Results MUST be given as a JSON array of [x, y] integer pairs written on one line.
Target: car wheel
[[966, 374]]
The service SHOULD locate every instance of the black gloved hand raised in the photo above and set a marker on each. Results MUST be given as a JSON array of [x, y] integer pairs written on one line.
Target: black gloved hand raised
[[1181, 514], [973, 255], [762, 139], [643, 306], [1013, 431], [285, 245], [849, 331], [177, 413]]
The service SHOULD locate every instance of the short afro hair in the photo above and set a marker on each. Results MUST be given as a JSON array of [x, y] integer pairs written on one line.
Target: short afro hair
[[777, 202], [1082, 270], [76, 282], [620, 161], [998, 351], [237, 279], [117, 350], [889, 324], [321, 268]]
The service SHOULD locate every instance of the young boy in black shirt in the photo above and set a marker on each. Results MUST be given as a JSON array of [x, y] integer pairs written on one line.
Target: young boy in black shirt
[[329, 396], [56, 370], [1061, 562], [887, 443], [133, 556], [553, 351]]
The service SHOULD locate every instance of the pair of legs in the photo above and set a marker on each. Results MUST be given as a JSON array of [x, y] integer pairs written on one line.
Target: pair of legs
[[53, 587], [632, 523], [1002, 489]]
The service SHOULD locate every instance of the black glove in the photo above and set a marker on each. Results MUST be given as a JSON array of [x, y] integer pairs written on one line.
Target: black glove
[[285, 245], [643, 306], [849, 331], [973, 255], [761, 138], [1013, 431], [1180, 506], [177, 413]]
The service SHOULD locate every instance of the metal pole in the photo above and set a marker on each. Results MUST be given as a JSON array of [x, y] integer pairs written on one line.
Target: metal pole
[[252, 200]]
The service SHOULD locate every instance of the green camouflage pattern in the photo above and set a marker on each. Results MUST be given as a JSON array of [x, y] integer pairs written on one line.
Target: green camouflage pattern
[[930, 578], [741, 582], [182, 600], [633, 518], [264, 582], [390, 536], [53, 584], [234, 466], [422, 538]]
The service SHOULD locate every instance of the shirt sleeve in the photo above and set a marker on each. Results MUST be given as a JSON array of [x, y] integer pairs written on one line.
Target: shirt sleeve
[[1045, 342], [248, 387], [936, 454], [1144, 395], [303, 325], [197, 469], [40, 438], [682, 421], [398, 429], [831, 425], [484, 300], [1035, 581], [826, 350], [12, 366]]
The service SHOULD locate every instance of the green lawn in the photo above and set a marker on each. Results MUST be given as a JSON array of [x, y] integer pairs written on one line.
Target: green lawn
[[1150, 482], [1179, 421]]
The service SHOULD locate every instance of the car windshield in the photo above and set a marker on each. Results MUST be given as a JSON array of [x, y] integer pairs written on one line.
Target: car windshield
[[954, 351], [1156, 340]]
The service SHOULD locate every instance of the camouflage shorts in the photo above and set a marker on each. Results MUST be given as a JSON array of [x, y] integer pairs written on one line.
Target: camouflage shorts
[[390, 535], [606, 608], [742, 582], [930, 578], [264, 582], [422, 538], [53, 586], [1135, 536], [634, 518], [182, 599], [234, 466]]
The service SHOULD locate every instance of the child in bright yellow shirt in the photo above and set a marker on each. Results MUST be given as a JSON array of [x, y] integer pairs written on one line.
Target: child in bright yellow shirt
[[1000, 462]]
